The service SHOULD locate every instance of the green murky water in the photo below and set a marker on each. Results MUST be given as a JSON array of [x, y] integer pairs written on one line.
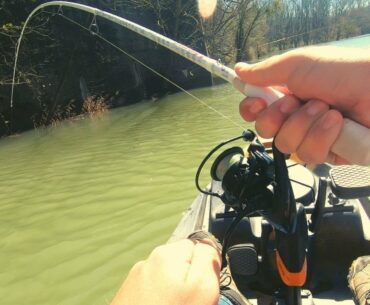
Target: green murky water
[[83, 201], [80, 203]]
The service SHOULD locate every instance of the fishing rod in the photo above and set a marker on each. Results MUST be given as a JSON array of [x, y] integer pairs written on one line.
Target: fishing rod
[[353, 143]]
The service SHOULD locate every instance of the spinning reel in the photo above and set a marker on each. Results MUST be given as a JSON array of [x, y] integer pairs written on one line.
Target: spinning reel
[[256, 183]]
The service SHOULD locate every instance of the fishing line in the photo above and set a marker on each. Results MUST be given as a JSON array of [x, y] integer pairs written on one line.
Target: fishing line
[[351, 135], [97, 34]]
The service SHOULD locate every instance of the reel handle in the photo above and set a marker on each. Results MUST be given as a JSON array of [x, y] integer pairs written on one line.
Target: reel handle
[[353, 142]]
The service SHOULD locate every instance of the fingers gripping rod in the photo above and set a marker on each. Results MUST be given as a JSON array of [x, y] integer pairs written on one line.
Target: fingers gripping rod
[[353, 143]]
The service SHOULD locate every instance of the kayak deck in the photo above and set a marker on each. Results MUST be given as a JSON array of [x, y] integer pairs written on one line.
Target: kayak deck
[[344, 235]]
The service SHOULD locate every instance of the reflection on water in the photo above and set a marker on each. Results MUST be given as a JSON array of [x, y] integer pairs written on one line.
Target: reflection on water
[[81, 202]]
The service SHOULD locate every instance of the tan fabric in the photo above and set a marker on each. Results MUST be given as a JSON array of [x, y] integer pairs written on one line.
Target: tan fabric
[[359, 280]]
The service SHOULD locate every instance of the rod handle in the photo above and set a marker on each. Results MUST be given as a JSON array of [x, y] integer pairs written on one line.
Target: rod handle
[[353, 142]]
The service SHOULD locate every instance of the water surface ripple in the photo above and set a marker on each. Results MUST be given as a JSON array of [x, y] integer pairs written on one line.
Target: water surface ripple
[[80, 203]]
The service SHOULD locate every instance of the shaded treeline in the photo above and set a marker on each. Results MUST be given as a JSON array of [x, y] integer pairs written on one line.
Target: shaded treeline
[[61, 65]]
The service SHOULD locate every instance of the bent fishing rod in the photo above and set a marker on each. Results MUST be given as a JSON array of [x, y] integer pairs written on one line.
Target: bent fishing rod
[[352, 144]]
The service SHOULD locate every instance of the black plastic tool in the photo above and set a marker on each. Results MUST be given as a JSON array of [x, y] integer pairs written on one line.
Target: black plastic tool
[[243, 259]]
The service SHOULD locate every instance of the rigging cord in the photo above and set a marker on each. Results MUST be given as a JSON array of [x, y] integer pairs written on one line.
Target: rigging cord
[[96, 33]]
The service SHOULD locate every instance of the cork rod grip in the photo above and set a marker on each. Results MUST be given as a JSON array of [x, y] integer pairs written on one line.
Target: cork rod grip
[[353, 142]]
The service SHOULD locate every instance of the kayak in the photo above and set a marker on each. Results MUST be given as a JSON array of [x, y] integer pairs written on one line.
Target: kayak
[[338, 233]]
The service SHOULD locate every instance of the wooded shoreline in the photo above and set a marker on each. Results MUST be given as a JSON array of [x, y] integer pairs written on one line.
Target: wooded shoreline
[[61, 66]]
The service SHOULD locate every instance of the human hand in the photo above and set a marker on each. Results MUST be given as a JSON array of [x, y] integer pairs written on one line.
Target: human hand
[[323, 77], [180, 273]]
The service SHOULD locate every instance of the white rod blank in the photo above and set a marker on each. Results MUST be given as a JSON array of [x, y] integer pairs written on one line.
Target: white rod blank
[[353, 143]]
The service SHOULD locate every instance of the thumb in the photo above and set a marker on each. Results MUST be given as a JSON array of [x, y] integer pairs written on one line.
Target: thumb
[[276, 70]]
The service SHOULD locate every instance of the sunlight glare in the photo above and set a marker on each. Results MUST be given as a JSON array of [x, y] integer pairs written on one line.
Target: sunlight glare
[[207, 8]]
